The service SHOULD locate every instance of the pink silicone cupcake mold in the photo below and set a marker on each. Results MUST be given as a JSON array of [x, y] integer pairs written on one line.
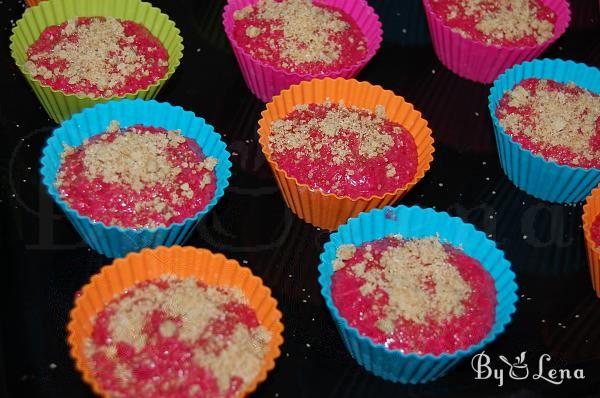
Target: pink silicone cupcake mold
[[265, 80], [481, 62]]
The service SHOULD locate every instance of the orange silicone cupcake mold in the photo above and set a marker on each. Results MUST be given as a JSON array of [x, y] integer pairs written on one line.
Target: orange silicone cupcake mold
[[591, 210], [327, 210], [212, 269]]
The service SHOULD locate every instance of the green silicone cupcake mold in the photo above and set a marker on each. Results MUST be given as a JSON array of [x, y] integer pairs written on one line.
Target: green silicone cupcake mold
[[61, 106]]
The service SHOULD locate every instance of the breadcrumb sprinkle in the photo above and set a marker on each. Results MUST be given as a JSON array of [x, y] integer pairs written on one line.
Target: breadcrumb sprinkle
[[336, 126], [344, 252], [185, 315], [414, 295], [137, 159], [344, 149], [416, 275], [553, 114], [298, 32], [499, 21], [97, 56]]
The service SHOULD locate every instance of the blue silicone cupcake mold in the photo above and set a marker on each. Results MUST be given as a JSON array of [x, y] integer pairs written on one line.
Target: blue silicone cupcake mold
[[416, 222], [115, 241], [530, 172]]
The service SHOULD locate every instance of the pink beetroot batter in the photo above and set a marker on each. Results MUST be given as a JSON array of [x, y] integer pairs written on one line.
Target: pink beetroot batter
[[97, 57], [596, 231], [425, 331], [344, 150], [146, 343], [299, 36], [517, 23], [148, 177], [560, 122]]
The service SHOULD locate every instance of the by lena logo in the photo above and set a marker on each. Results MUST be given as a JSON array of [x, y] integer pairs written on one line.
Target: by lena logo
[[519, 369]]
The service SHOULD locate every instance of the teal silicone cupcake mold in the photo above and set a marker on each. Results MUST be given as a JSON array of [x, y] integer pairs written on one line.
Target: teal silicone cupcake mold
[[531, 172], [416, 222], [114, 241]]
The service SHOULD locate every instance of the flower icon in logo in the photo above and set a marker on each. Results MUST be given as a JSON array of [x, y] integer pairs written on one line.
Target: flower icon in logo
[[518, 370]]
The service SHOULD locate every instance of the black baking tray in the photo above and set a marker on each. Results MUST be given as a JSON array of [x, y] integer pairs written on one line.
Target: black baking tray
[[44, 262]]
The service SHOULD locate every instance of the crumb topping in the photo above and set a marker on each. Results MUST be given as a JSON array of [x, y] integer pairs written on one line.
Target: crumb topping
[[340, 126], [305, 28], [500, 20], [344, 252], [253, 31], [417, 296], [554, 114], [241, 355], [190, 311], [138, 158], [344, 150], [300, 31], [97, 53], [135, 158], [183, 300], [416, 275]]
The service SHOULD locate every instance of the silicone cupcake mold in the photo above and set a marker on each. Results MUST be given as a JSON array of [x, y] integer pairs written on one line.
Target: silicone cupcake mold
[[114, 241], [184, 262], [481, 62], [327, 210], [530, 172], [265, 81], [591, 210], [61, 106], [415, 222]]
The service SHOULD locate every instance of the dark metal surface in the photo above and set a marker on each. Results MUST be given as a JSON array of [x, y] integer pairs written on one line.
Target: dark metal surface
[[44, 261]]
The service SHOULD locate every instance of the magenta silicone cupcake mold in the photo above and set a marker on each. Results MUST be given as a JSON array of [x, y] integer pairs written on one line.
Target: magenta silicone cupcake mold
[[265, 81], [482, 62]]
